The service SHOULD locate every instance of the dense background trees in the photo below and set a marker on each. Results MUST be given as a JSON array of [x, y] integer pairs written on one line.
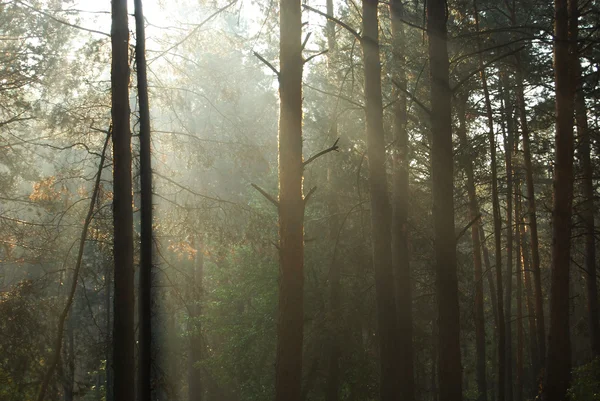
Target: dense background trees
[[317, 168]]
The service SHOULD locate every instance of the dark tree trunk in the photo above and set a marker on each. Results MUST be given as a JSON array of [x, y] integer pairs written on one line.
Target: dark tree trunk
[[493, 300], [69, 375], [145, 275], [332, 390], [467, 165], [124, 301], [558, 362], [508, 149], [450, 378], [497, 226], [109, 389], [532, 217], [195, 380], [587, 213], [380, 207], [400, 256], [519, 275], [288, 378]]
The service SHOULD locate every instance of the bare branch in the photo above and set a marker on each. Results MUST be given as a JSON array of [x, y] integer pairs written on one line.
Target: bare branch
[[333, 148], [464, 230], [309, 194], [261, 58], [266, 195], [412, 97], [337, 21], [315, 55], [306, 40]]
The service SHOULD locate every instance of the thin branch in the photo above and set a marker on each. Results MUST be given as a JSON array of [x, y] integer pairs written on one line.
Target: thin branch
[[333, 148], [315, 55], [309, 194], [261, 58], [63, 316], [412, 97], [266, 195], [306, 40], [492, 61], [337, 21], [464, 230]]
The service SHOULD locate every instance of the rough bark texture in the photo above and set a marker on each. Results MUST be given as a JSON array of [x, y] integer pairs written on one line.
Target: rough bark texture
[[473, 216], [450, 380], [380, 206], [124, 301], [290, 336], [558, 362], [145, 274], [400, 255]]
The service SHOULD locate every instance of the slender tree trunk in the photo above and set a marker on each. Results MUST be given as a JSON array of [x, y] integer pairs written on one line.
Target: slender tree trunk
[[497, 225], [124, 302], [450, 380], [493, 301], [332, 390], [508, 148], [145, 275], [381, 212], [533, 345], [587, 213], [400, 255], [109, 388], [532, 217], [69, 375], [195, 382], [519, 275], [288, 378], [558, 362], [474, 216]]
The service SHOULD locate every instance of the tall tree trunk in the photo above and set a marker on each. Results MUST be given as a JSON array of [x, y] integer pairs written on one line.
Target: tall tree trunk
[[497, 224], [558, 362], [519, 275], [533, 345], [288, 378], [195, 387], [532, 217], [493, 301], [124, 301], [587, 213], [109, 387], [69, 375], [145, 275], [450, 380], [332, 390], [474, 217], [380, 206], [508, 149], [400, 256]]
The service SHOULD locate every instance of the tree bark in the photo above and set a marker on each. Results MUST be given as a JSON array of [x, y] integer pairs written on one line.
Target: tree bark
[[145, 274], [519, 275], [381, 212], [558, 362], [481, 375], [400, 194], [124, 301], [450, 380], [288, 378], [497, 224], [195, 387]]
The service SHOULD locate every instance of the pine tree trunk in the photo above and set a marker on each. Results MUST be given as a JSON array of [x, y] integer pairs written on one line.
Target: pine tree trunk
[[450, 378], [145, 274], [497, 226], [124, 301], [587, 214], [558, 362], [481, 375], [400, 256], [519, 275], [195, 379], [288, 378], [381, 212]]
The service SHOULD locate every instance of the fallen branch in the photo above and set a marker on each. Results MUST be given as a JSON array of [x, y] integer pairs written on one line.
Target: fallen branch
[[266, 195], [333, 148], [63, 316]]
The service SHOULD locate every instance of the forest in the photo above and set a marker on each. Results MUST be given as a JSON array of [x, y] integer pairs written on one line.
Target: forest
[[316, 200]]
